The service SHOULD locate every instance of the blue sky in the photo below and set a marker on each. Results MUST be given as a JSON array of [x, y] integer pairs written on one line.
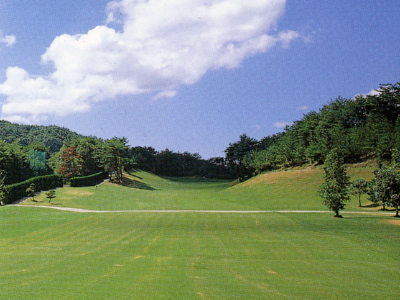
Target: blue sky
[[189, 75]]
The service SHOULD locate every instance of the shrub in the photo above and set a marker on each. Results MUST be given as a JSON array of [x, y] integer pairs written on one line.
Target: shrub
[[17, 191], [88, 180]]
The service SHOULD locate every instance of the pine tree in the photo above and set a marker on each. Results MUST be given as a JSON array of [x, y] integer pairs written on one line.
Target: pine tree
[[334, 190]]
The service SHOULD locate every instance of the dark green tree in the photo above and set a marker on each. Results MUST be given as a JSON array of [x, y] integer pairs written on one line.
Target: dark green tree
[[112, 154], [334, 190], [236, 152]]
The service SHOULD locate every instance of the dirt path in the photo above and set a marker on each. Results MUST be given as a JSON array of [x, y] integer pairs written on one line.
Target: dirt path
[[81, 210]]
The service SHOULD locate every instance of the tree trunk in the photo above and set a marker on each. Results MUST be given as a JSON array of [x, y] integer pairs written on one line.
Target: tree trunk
[[359, 200], [397, 210], [337, 214]]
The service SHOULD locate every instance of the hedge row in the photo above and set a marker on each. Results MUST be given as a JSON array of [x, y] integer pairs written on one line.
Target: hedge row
[[17, 191], [88, 180]]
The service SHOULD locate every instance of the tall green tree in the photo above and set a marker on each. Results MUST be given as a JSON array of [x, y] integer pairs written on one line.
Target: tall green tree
[[113, 156], [386, 188], [236, 153], [334, 190]]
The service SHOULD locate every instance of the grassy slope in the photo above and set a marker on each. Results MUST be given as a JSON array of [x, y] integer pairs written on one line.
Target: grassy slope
[[284, 190], [49, 254], [294, 189]]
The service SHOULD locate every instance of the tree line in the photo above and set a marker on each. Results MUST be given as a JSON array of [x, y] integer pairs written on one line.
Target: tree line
[[86, 155], [383, 189], [359, 128], [367, 126]]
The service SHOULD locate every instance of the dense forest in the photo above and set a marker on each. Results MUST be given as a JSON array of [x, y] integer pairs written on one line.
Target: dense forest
[[52, 137], [359, 128]]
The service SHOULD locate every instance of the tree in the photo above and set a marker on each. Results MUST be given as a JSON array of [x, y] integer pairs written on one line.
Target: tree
[[386, 188], [50, 195], [71, 163], [357, 188], [334, 190], [236, 153], [30, 191], [13, 158], [113, 156]]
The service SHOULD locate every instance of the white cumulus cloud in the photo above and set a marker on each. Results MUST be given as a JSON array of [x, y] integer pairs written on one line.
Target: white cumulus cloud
[[160, 46]]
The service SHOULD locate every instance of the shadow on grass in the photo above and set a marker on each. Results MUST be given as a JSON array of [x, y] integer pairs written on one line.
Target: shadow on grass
[[386, 209], [37, 201], [133, 175], [132, 183], [371, 205]]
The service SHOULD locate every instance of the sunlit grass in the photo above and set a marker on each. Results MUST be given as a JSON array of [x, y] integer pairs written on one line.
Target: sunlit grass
[[283, 190], [64, 255], [48, 254]]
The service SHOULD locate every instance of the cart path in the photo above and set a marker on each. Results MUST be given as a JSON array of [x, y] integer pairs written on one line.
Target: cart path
[[82, 210]]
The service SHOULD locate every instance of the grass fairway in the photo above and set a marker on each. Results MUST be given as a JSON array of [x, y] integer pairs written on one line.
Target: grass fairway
[[285, 190], [48, 254]]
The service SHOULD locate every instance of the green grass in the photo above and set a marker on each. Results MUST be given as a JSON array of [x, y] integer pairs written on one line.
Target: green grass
[[62, 255], [285, 190], [48, 254]]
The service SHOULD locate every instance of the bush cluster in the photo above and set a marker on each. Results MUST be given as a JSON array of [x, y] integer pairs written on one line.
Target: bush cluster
[[88, 180], [17, 191]]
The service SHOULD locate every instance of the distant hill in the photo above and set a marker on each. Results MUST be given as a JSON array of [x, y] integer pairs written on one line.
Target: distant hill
[[52, 136]]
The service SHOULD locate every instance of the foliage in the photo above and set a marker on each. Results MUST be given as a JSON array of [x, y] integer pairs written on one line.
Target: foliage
[[3, 193], [334, 190], [386, 185], [50, 195], [30, 191], [17, 191], [176, 164], [358, 128], [235, 155], [71, 163], [358, 187], [42, 138], [88, 180], [13, 159], [113, 156]]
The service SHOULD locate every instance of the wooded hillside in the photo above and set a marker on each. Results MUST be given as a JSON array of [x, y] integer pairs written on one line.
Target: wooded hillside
[[359, 128], [52, 137]]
